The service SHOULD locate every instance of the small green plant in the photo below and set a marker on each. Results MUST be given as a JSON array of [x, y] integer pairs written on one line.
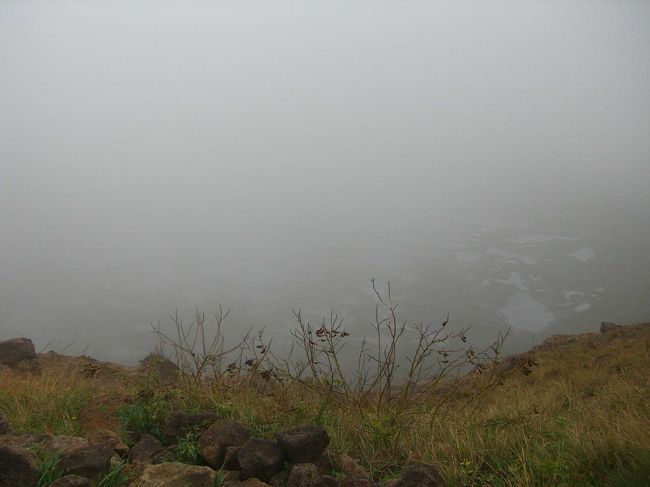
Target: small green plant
[[219, 479], [50, 469], [222, 409], [188, 449], [146, 414], [115, 477], [138, 419], [319, 418]]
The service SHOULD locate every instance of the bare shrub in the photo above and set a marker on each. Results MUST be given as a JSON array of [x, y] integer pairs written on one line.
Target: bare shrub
[[195, 348], [390, 373], [439, 357]]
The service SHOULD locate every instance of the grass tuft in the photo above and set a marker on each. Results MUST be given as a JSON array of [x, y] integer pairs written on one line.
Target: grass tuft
[[116, 477], [50, 470]]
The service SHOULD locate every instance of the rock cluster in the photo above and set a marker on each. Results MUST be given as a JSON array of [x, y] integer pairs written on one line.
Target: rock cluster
[[20, 463], [296, 458]]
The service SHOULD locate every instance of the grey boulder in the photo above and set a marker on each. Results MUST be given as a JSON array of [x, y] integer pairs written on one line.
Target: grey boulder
[[303, 444], [92, 461], [304, 475], [15, 350], [420, 475], [18, 466], [260, 459], [214, 442], [179, 424], [145, 450], [176, 475]]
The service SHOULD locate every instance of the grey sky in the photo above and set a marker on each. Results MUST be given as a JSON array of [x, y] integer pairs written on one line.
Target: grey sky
[[152, 146]]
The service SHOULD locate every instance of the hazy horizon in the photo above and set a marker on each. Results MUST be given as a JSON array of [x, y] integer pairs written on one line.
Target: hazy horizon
[[490, 160]]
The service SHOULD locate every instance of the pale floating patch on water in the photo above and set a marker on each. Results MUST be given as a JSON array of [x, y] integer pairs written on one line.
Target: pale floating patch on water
[[514, 279], [584, 254], [582, 307], [597, 293], [568, 295], [513, 258], [507, 224], [526, 313], [537, 238]]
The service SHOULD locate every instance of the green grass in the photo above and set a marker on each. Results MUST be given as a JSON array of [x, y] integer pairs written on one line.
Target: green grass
[[188, 449], [50, 470], [44, 403], [144, 416], [219, 479], [116, 477]]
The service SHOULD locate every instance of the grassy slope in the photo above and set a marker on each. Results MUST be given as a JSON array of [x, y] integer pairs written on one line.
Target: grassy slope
[[579, 416]]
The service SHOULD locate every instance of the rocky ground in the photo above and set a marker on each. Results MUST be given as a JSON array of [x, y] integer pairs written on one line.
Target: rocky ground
[[297, 457]]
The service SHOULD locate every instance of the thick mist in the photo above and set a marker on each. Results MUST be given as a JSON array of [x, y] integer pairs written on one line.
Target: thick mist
[[490, 160]]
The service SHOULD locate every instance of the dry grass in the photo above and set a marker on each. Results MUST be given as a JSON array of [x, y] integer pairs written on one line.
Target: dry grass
[[44, 402], [580, 416], [59, 394]]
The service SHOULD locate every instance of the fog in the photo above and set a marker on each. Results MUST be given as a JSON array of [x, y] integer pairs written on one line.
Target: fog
[[490, 159]]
